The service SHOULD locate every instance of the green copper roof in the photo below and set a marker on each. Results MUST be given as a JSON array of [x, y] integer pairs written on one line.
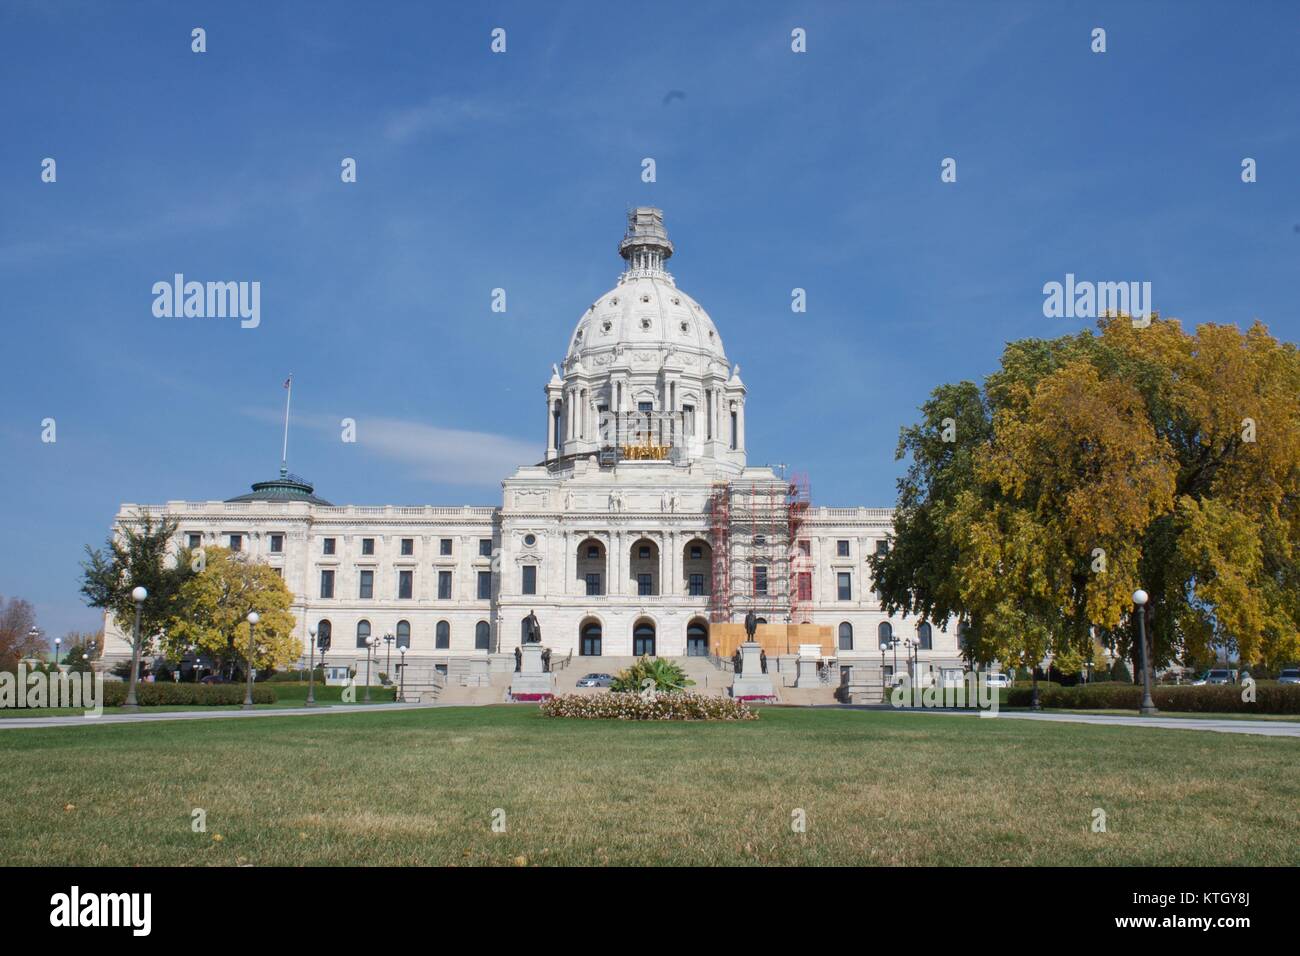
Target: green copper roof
[[285, 488]]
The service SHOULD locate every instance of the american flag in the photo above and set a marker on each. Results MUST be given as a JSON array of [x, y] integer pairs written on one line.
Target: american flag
[[288, 381]]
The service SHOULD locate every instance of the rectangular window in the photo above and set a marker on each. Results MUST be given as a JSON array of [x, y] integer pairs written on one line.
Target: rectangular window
[[444, 585], [367, 589], [697, 585], [327, 584], [196, 541], [643, 584], [236, 544], [804, 584], [882, 546], [760, 580], [405, 584], [734, 431], [530, 579], [277, 544], [805, 547], [593, 552], [327, 546], [643, 553], [485, 585], [367, 545], [279, 572], [842, 549], [408, 546], [444, 546], [485, 547], [845, 585], [697, 552], [593, 585]]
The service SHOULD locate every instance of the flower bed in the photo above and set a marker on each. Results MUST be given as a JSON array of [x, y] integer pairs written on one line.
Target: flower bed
[[530, 698], [621, 706]]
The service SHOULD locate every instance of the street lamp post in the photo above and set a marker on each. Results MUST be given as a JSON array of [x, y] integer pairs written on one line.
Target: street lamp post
[[401, 685], [253, 618], [883, 646], [1148, 707], [311, 667], [370, 645], [388, 665], [57, 641], [138, 594]]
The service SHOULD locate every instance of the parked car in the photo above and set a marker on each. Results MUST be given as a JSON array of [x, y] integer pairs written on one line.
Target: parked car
[[595, 680], [214, 679], [1289, 675], [1218, 675], [998, 680]]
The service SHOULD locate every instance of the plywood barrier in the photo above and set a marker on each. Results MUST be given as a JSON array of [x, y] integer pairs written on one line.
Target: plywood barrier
[[773, 638]]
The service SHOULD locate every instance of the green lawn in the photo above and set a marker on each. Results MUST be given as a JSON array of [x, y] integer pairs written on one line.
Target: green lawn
[[420, 787]]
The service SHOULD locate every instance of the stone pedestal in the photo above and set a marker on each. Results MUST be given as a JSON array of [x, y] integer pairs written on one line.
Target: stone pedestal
[[807, 676], [531, 678], [751, 681]]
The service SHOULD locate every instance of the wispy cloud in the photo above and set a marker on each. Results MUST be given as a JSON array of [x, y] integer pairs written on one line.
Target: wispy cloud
[[450, 456], [439, 113]]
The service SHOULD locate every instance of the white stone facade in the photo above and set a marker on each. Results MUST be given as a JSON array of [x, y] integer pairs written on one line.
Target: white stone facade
[[646, 374]]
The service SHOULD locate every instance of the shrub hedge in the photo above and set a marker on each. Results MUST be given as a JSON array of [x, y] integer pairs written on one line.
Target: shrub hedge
[[203, 695], [1209, 699]]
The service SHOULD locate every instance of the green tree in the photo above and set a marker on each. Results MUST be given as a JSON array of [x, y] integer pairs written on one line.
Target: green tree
[[212, 613], [138, 554]]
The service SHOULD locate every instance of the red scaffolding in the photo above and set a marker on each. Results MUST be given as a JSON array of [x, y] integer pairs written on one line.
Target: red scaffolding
[[760, 562]]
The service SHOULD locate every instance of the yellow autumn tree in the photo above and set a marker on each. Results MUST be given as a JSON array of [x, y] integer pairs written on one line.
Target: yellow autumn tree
[[1091, 465], [214, 606]]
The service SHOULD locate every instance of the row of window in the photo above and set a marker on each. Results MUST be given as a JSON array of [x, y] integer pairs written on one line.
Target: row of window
[[401, 636], [885, 635], [194, 540], [405, 584]]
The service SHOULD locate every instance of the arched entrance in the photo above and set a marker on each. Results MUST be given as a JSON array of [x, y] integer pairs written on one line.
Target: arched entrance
[[697, 638], [589, 639], [643, 638]]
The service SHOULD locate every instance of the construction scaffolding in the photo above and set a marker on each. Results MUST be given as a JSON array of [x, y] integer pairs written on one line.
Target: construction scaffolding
[[760, 563]]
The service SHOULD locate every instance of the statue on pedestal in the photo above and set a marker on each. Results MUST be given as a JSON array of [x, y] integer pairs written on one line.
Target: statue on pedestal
[[532, 629], [751, 624]]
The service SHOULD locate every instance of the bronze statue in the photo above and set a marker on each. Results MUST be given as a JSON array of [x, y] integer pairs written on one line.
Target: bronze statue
[[533, 631], [751, 624]]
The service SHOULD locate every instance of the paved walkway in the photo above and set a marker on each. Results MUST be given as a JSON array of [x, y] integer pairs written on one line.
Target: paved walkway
[[145, 716], [1261, 728]]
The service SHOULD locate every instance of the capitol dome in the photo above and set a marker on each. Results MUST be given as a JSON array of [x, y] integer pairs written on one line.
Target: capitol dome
[[645, 312], [645, 376]]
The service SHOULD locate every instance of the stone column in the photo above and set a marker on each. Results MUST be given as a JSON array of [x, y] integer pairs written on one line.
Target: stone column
[[550, 426]]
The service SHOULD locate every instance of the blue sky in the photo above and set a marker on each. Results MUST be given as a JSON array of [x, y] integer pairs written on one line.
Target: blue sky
[[477, 171]]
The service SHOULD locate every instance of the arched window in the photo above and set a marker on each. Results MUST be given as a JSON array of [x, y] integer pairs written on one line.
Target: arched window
[[404, 634], [590, 643], [846, 636], [886, 632], [925, 636], [482, 636], [443, 636], [363, 633], [324, 635]]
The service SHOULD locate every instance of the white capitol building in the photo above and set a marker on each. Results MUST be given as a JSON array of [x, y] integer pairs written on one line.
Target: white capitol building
[[642, 528]]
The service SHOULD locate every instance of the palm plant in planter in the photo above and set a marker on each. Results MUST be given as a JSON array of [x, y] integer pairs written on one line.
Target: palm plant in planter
[[668, 677]]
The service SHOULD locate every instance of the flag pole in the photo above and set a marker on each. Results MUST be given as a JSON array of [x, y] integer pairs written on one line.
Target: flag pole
[[284, 454]]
